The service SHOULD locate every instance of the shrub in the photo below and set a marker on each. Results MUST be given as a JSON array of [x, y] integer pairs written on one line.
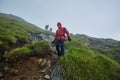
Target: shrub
[[41, 47], [19, 52]]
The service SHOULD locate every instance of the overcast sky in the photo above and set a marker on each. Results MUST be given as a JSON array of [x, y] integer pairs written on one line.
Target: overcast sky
[[95, 18]]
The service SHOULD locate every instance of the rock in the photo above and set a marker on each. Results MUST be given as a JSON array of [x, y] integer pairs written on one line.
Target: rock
[[6, 68], [48, 63], [43, 63], [50, 37], [56, 73], [43, 71], [1, 75], [47, 77], [42, 36], [15, 72], [39, 61]]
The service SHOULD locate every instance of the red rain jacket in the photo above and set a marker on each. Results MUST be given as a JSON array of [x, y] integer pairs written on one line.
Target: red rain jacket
[[60, 33]]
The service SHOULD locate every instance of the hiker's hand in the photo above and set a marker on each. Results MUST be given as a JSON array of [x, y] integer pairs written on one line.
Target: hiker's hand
[[69, 39]]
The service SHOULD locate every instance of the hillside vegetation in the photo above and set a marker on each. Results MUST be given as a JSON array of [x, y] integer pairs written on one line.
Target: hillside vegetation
[[15, 32], [84, 63], [87, 58]]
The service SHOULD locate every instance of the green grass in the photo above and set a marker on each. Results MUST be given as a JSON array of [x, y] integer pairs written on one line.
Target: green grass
[[83, 64], [74, 43]]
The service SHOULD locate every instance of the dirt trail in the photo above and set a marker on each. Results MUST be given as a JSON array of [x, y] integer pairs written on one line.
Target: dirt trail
[[32, 68]]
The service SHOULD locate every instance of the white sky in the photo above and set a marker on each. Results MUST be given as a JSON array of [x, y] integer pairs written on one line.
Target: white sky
[[95, 18]]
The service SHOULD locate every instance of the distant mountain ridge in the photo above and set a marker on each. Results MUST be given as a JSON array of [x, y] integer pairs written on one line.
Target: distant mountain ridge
[[11, 16], [98, 41]]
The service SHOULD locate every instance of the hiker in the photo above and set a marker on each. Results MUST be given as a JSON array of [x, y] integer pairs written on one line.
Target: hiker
[[60, 38]]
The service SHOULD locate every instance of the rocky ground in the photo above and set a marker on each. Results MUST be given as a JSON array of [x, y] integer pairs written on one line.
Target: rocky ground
[[33, 68]]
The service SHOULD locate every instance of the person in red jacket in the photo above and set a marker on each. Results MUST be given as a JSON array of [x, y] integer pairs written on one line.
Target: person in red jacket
[[60, 38]]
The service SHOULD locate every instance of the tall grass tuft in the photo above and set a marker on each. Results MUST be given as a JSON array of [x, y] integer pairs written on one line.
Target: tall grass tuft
[[41, 47]]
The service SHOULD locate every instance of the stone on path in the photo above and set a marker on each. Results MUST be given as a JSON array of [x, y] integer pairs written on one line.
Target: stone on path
[[56, 73]]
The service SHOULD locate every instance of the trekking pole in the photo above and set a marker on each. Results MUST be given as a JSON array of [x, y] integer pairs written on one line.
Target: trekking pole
[[53, 47]]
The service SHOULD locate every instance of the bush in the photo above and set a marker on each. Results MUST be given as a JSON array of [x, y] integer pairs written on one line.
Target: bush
[[41, 47], [19, 52]]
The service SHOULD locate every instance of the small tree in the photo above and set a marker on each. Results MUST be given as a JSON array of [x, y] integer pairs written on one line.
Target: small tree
[[51, 29], [46, 27]]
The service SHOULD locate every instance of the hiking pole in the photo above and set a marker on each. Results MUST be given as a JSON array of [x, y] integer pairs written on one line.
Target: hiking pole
[[53, 47]]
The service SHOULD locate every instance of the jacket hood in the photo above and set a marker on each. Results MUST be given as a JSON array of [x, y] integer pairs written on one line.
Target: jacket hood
[[59, 25]]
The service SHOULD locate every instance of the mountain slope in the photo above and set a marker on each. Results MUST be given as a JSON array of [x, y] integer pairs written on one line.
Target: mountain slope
[[80, 63]]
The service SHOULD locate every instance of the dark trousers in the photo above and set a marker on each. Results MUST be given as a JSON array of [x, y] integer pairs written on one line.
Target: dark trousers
[[60, 47]]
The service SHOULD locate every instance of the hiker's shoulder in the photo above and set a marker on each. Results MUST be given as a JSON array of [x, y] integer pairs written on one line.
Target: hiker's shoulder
[[64, 28]]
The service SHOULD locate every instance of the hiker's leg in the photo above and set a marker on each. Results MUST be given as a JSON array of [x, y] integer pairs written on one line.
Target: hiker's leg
[[57, 47], [62, 47]]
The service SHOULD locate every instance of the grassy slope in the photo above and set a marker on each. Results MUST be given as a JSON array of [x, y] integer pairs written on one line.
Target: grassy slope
[[79, 64], [15, 30], [84, 64], [15, 33]]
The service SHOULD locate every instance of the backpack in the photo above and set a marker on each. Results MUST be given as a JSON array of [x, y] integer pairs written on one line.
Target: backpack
[[64, 31]]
